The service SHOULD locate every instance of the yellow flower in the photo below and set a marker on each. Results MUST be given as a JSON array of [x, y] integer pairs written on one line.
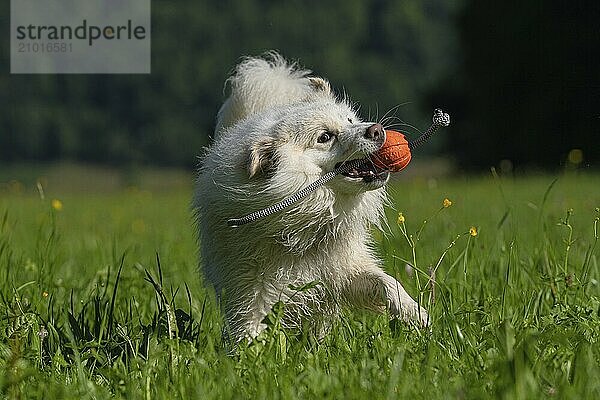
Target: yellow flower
[[57, 204], [473, 231], [400, 218], [447, 203], [44, 294]]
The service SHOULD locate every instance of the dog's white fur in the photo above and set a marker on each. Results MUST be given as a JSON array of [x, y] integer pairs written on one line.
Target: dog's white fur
[[266, 149]]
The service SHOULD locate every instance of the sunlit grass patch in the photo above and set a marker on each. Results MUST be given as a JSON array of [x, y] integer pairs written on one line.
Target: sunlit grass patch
[[102, 299]]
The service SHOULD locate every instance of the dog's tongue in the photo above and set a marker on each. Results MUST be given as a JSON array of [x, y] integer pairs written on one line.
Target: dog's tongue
[[394, 155]]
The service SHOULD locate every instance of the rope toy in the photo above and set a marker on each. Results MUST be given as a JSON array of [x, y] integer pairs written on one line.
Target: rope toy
[[394, 155]]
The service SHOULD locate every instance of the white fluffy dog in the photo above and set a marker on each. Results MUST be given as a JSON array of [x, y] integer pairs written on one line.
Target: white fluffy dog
[[280, 130]]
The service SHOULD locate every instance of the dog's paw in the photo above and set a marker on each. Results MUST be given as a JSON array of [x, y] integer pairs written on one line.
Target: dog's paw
[[418, 316], [411, 313], [423, 320]]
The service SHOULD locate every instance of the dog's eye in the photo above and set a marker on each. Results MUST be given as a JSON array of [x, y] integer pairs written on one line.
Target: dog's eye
[[325, 137]]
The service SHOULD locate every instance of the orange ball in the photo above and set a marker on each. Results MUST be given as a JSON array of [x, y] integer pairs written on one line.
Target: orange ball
[[394, 155]]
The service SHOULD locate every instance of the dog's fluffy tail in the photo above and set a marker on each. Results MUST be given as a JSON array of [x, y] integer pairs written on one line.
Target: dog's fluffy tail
[[259, 83]]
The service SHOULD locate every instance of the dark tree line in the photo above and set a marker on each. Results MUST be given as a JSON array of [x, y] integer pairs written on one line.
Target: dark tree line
[[528, 87], [519, 78]]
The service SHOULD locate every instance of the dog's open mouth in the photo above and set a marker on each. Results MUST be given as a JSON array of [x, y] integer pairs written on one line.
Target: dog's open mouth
[[367, 171]]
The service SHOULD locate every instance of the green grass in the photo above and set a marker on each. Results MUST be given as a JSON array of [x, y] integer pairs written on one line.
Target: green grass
[[102, 299]]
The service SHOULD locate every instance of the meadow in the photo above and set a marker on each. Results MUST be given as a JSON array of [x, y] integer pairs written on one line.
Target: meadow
[[100, 297]]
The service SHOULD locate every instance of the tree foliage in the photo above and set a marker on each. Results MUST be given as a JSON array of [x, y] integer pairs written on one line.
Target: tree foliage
[[528, 88], [519, 78], [382, 53]]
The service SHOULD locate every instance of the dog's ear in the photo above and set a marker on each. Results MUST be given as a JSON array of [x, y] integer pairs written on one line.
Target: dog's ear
[[320, 85], [261, 157]]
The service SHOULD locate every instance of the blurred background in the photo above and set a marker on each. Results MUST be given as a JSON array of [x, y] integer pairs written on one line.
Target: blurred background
[[520, 79]]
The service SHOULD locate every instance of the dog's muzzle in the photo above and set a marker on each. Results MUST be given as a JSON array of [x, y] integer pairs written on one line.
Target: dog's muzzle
[[367, 171]]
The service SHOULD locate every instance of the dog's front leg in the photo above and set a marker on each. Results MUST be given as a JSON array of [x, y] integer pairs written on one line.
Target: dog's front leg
[[375, 290]]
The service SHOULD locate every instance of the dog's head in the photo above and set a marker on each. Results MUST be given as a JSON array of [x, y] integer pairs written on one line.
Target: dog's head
[[311, 138]]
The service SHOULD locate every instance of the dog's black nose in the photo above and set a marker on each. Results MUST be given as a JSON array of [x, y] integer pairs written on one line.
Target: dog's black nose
[[374, 131]]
